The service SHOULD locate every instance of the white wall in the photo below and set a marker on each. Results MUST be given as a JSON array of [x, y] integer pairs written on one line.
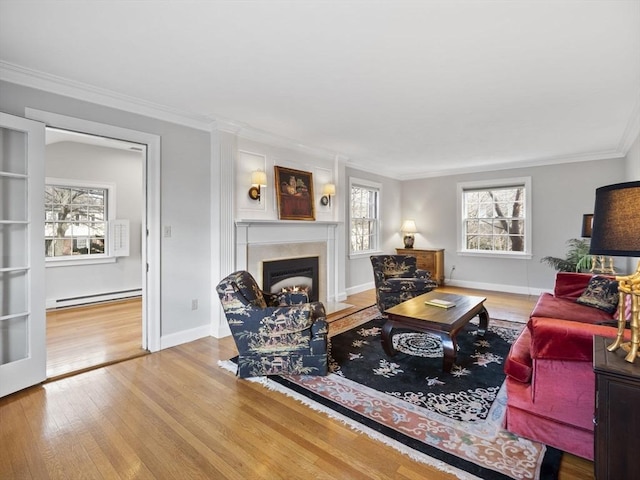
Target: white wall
[[561, 195], [253, 155], [633, 174], [185, 189], [75, 161], [358, 270], [633, 160], [190, 199]]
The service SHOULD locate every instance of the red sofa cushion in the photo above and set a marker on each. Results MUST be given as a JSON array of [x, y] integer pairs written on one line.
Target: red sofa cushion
[[519, 365], [565, 308], [554, 339]]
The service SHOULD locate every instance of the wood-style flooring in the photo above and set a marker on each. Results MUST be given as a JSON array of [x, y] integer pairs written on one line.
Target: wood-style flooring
[[86, 337], [175, 414]]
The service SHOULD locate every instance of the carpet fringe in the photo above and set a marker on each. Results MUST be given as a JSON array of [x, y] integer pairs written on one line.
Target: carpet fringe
[[411, 453]]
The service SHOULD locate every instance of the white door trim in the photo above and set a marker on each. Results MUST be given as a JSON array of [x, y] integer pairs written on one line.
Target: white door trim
[[26, 366], [151, 221]]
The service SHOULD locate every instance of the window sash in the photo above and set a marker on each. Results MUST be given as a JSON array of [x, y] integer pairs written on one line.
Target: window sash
[[489, 223], [364, 218], [76, 219]]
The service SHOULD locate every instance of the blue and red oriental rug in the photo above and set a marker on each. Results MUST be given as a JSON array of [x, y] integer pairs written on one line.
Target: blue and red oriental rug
[[453, 421]]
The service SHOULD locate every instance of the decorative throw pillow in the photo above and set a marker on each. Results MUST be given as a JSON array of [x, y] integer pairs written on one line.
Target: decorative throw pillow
[[601, 293]]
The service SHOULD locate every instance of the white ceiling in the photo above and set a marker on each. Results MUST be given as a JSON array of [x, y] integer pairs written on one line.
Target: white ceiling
[[404, 88]]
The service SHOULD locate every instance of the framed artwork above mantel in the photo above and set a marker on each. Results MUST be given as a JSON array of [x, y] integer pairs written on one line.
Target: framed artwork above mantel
[[294, 193]]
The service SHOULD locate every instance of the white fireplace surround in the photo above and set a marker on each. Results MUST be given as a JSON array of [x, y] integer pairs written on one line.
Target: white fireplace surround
[[265, 240]]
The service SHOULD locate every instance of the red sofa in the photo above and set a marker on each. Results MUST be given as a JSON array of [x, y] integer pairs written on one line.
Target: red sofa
[[550, 380]]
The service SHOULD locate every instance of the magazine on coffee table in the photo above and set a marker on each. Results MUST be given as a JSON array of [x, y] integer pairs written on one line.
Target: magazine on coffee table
[[437, 302]]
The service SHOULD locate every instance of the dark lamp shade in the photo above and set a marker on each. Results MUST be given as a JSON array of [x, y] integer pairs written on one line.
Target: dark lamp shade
[[616, 220], [587, 225]]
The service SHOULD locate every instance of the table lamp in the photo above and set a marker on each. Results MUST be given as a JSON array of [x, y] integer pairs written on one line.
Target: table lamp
[[616, 232], [408, 229]]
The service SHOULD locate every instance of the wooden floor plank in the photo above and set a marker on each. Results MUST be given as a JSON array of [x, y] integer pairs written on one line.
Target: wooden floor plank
[[80, 338]]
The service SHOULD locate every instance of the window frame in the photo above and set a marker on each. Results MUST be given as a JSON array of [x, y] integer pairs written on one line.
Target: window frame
[[374, 186], [524, 182], [107, 257]]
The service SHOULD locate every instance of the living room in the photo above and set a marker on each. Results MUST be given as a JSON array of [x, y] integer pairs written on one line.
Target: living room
[[205, 161]]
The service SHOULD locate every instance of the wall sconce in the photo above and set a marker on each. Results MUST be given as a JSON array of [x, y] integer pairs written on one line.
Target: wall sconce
[[616, 224], [328, 191], [258, 180], [408, 229]]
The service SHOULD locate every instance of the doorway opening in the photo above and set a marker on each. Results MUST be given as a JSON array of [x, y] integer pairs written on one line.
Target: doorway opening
[[95, 283]]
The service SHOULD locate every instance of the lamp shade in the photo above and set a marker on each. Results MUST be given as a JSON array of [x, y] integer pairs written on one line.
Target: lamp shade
[[616, 220], [409, 226], [587, 225], [259, 177], [329, 189]]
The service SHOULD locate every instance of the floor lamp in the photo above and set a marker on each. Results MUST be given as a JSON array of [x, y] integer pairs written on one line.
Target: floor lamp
[[616, 232]]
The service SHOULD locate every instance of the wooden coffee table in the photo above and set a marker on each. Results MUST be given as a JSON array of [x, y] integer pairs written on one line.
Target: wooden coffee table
[[446, 323]]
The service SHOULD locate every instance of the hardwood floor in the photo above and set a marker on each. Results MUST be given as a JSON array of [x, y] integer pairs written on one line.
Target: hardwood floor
[[176, 414], [83, 338]]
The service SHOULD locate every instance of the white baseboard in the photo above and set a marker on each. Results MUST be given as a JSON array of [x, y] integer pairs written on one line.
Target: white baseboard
[[185, 336], [220, 327], [360, 288], [51, 303], [495, 287]]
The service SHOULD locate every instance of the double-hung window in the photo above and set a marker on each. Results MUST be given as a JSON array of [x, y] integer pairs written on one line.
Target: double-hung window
[[494, 217], [364, 220], [77, 218]]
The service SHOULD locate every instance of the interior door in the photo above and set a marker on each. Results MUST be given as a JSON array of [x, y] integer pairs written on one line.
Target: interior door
[[22, 296]]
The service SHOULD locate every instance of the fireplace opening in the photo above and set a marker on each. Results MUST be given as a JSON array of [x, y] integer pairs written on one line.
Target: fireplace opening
[[292, 274]]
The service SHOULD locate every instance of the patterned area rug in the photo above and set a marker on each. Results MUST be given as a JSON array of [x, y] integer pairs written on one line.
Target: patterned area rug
[[450, 420]]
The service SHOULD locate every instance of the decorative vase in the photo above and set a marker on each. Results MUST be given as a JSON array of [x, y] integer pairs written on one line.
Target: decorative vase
[[408, 241]]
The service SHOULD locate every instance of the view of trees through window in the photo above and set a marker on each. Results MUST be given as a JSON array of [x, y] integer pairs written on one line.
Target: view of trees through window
[[494, 219], [364, 218], [75, 220]]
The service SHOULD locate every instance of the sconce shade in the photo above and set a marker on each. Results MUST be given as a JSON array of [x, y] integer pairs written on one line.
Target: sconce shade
[[587, 225], [329, 189], [409, 226], [259, 177], [616, 220]]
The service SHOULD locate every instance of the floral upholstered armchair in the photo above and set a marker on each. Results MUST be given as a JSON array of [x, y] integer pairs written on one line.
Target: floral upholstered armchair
[[398, 279], [272, 336]]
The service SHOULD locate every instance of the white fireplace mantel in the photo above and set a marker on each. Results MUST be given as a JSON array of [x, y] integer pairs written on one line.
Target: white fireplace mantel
[[287, 238]]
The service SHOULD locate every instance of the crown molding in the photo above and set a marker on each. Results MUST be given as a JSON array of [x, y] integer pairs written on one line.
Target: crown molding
[[490, 167], [17, 74], [632, 131], [262, 136]]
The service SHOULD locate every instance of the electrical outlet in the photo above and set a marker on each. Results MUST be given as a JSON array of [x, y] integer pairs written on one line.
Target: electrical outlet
[[453, 267], [194, 304], [167, 231]]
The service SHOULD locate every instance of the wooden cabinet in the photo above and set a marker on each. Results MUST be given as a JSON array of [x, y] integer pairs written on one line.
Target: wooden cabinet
[[617, 415], [428, 259]]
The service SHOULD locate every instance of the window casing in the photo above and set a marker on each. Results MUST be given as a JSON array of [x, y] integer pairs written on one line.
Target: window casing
[[494, 217], [364, 217], [77, 216]]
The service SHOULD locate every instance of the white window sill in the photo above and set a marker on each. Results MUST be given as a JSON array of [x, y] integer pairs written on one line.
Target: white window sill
[[355, 256], [74, 262], [510, 255]]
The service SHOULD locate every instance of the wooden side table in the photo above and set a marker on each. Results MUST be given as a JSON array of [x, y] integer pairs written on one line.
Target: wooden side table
[[617, 416], [428, 259]]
